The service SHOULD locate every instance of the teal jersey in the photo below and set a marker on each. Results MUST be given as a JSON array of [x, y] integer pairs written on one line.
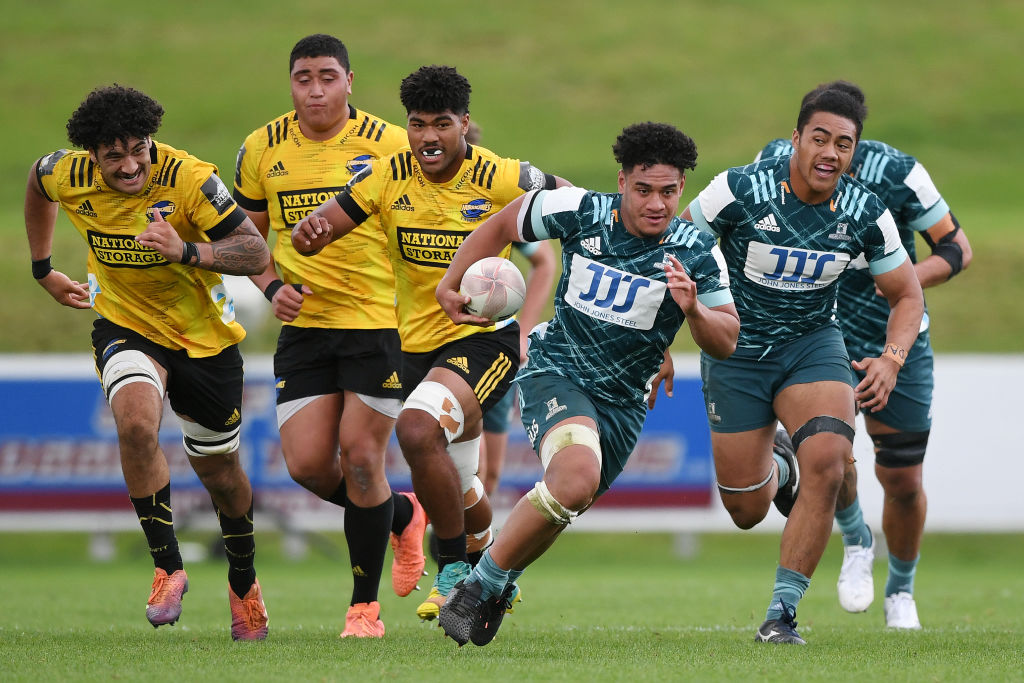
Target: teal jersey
[[905, 187], [785, 256], [614, 315]]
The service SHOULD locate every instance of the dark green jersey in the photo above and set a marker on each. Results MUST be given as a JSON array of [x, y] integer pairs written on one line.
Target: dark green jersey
[[905, 187], [785, 256], [614, 315]]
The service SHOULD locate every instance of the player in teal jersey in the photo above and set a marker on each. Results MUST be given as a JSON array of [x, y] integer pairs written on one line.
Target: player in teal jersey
[[631, 274], [789, 227], [900, 430]]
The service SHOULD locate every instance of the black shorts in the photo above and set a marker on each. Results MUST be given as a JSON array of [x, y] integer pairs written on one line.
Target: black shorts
[[314, 361], [206, 390], [487, 361]]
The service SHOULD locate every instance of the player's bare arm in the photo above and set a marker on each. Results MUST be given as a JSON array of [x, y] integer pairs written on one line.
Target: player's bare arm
[[951, 252], [901, 288], [493, 235], [40, 219], [715, 330], [285, 302], [243, 251], [314, 232]]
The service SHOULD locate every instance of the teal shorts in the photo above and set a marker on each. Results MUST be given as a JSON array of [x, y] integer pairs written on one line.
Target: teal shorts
[[910, 404], [739, 391], [546, 400]]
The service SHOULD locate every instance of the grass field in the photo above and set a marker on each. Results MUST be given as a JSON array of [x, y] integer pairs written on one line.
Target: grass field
[[597, 607], [552, 83]]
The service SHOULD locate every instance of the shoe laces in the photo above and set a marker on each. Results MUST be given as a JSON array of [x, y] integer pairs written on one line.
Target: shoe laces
[[788, 616], [251, 612], [162, 586]]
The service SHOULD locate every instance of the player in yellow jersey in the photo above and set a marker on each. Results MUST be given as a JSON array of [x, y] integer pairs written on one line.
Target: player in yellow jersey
[[429, 197], [161, 227], [338, 360]]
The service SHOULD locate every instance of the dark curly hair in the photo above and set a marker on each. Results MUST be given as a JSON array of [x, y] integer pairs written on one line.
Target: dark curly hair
[[435, 89], [319, 45], [647, 144], [839, 100], [111, 114]]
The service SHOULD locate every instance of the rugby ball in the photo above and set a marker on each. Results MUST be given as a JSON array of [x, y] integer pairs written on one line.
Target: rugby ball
[[496, 288]]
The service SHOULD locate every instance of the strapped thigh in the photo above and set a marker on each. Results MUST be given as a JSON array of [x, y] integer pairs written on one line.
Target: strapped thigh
[[819, 424]]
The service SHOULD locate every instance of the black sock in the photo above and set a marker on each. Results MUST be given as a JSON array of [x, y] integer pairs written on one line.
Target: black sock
[[158, 524], [366, 532], [403, 512], [339, 497], [240, 546], [474, 557], [451, 550]]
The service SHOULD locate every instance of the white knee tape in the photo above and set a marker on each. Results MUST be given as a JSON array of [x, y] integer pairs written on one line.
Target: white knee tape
[[541, 499], [200, 441], [566, 435], [473, 494], [126, 367], [438, 400], [478, 541], [466, 457]]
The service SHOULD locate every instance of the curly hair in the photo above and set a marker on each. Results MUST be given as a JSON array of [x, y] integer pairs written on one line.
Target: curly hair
[[851, 89], [647, 144], [435, 89], [319, 45], [113, 113], [838, 100]]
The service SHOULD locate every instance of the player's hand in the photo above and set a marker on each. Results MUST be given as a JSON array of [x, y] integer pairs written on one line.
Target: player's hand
[[65, 291], [666, 374], [288, 300], [311, 234], [680, 286], [161, 237], [879, 379], [454, 306]]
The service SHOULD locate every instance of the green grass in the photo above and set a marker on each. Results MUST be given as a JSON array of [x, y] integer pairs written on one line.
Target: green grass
[[596, 607], [553, 83]]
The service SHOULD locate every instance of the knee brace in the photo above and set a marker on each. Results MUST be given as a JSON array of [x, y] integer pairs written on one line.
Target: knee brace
[[200, 441], [819, 424], [126, 367], [566, 435], [904, 449], [438, 400], [466, 457], [478, 541], [553, 511]]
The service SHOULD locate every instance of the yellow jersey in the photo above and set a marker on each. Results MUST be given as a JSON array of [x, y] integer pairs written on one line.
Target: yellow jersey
[[426, 222], [284, 173], [173, 305]]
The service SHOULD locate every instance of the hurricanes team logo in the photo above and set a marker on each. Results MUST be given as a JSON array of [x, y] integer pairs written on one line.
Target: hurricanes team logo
[[359, 163], [166, 208], [474, 210]]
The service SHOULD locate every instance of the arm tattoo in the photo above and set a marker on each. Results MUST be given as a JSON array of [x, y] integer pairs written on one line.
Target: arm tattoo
[[243, 251]]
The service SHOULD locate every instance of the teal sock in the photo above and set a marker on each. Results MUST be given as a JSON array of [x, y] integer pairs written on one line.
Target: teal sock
[[488, 573], [851, 524], [790, 586], [783, 469], [513, 575], [901, 575]]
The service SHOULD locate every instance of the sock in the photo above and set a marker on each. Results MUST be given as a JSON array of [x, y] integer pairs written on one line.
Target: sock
[[901, 575], [340, 496], [157, 523], [790, 586], [403, 512], [851, 524], [240, 546], [513, 575], [783, 469], [490, 575], [451, 550], [366, 532]]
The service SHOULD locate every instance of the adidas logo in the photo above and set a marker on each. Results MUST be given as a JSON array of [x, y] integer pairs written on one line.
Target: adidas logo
[[392, 382], [767, 224], [402, 204], [461, 363], [235, 417], [592, 244], [85, 209], [277, 170]]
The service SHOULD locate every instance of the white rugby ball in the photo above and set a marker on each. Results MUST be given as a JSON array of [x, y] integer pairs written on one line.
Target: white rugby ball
[[496, 288]]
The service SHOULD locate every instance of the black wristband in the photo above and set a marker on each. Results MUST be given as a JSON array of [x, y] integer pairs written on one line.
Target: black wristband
[[41, 268], [189, 251], [272, 288]]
